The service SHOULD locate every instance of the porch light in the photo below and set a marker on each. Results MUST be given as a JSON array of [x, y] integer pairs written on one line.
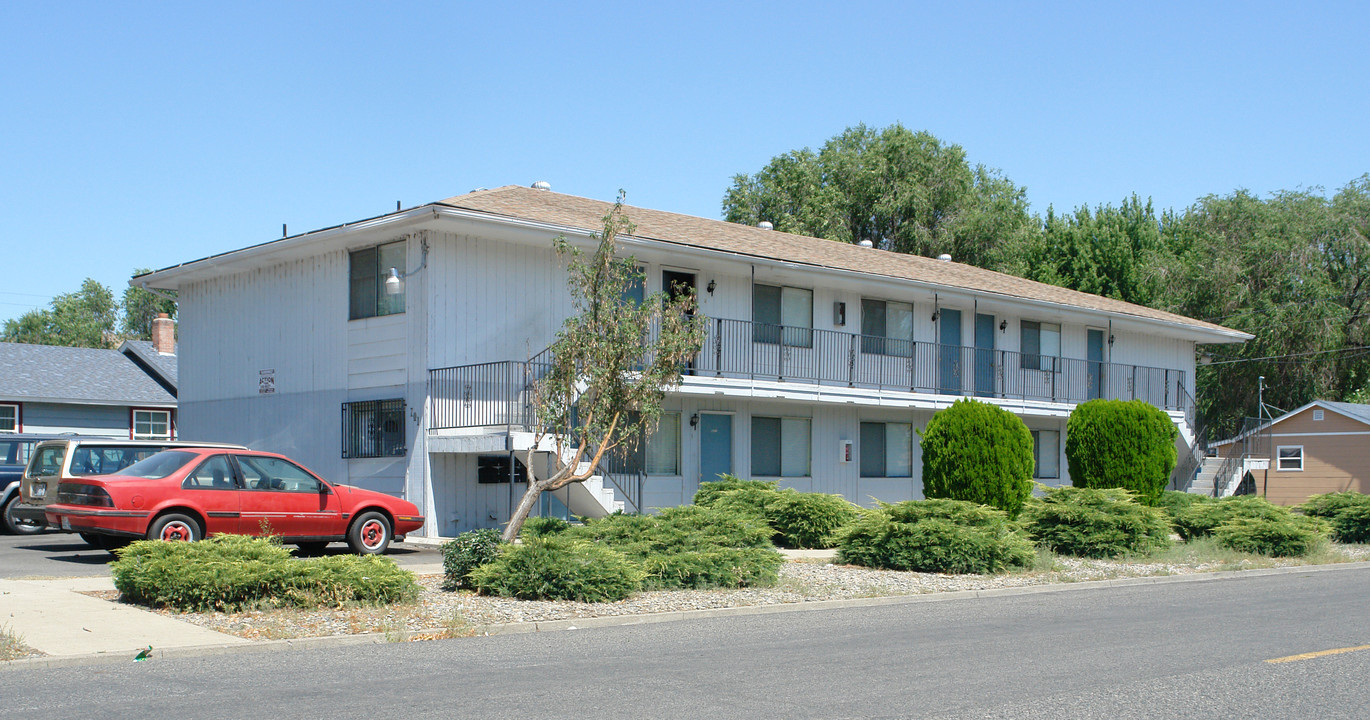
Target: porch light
[[1003, 325], [711, 286], [393, 284], [936, 314], [694, 420]]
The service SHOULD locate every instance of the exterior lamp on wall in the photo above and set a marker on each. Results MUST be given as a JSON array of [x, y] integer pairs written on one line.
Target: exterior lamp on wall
[[936, 314], [694, 420], [1003, 325], [394, 285], [711, 286]]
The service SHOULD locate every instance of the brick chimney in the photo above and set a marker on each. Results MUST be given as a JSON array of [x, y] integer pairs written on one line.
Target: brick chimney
[[164, 334]]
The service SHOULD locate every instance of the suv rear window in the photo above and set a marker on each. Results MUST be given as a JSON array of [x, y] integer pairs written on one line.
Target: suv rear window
[[107, 459], [47, 461]]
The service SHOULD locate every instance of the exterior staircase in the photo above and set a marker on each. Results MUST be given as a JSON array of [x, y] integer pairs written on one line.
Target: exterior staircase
[[1206, 476]]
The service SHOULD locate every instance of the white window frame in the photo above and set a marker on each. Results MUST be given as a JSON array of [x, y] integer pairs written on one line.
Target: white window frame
[[1037, 358], [784, 420], [901, 473], [17, 423], [150, 412], [660, 430], [901, 346], [1279, 460], [382, 305]]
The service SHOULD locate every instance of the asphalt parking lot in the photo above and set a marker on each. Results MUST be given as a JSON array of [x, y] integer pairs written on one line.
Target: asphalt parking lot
[[66, 555]]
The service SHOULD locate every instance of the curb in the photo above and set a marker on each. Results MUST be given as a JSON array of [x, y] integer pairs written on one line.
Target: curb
[[268, 646]]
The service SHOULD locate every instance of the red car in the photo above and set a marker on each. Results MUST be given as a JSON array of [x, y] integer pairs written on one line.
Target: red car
[[189, 493]]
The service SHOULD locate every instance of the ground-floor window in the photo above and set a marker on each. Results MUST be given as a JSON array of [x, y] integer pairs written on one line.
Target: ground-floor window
[[1289, 457], [886, 449], [373, 429], [494, 469], [152, 425], [663, 446], [9, 418], [781, 446], [1046, 454]]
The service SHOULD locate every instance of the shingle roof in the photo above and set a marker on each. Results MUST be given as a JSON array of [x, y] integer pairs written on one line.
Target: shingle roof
[[81, 375], [1357, 410], [164, 365], [583, 213]]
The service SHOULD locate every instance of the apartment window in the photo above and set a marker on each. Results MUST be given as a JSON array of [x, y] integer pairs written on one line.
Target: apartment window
[[663, 446], [494, 470], [372, 429], [886, 450], [152, 425], [368, 270], [780, 447], [887, 328], [9, 418], [1289, 457], [1046, 454], [782, 314], [1041, 345]]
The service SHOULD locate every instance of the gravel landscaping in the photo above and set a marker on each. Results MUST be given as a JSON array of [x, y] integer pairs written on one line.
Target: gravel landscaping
[[440, 614]]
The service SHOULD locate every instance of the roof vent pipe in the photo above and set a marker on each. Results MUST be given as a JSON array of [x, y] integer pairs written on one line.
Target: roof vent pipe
[[866, 243], [765, 225], [944, 257], [542, 185]]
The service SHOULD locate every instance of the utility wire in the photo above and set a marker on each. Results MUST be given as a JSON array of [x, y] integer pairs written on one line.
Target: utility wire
[[1354, 348]]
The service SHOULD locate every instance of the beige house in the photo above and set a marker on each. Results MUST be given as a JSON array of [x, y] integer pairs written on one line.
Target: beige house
[[1322, 447]]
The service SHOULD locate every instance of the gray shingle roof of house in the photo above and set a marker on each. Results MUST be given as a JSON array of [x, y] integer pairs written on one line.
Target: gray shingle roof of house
[[77, 375], [1359, 411], [164, 365]]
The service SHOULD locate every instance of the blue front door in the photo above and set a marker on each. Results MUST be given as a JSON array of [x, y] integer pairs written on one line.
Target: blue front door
[[984, 355], [1094, 352], [952, 364], [715, 446]]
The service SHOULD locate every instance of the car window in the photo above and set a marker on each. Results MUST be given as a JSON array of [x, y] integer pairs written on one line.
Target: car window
[[48, 461], [107, 459], [213, 474], [268, 473], [11, 452], [160, 465]]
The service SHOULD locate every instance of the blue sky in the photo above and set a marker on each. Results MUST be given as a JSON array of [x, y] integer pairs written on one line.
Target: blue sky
[[143, 135]]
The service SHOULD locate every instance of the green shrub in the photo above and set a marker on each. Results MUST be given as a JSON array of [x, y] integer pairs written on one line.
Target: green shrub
[[710, 490], [945, 536], [1127, 444], [809, 520], [465, 553], [230, 572], [979, 453], [1199, 520], [1096, 523], [558, 567], [1174, 503], [1290, 536], [1348, 513], [543, 526], [691, 547]]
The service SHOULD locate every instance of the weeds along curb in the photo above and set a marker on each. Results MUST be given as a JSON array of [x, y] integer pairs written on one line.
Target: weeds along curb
[[477, 631]]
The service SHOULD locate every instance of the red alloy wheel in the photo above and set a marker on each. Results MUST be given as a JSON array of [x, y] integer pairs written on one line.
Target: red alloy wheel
[[373, 534], [177, 531]]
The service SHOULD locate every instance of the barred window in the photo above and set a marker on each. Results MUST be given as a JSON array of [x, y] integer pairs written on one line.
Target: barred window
[[373, 428]]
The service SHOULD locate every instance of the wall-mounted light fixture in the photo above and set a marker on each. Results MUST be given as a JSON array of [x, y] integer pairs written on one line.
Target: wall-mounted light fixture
[[711, 286], [1003, 325], [1110, 341], [936, 314], [694, 420], [394, 285]]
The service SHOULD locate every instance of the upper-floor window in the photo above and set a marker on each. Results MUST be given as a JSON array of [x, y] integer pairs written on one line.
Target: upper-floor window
[[1289, 457], [1041, 345], [887, 328], [780, 446], [9, 418], [782, 314], [367, 272], [152, 425], [1046, 454], [373, 428], [886, 450]]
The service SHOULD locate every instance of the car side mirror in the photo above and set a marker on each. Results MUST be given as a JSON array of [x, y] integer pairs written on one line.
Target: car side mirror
[[325, 490]]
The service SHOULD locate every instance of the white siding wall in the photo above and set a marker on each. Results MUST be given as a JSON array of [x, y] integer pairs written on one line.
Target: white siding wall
[[106, 420]]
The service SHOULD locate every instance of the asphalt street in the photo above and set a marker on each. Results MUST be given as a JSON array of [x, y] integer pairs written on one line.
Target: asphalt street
[[1174, 650]]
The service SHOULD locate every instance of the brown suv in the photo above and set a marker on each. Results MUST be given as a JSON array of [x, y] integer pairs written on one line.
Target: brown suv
[[52, 461]]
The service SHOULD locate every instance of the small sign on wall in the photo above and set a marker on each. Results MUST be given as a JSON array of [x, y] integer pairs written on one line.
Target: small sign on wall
[[266, 382]]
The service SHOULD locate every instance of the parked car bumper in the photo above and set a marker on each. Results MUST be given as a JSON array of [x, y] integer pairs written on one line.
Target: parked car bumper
[[71, 518], [30, 513]]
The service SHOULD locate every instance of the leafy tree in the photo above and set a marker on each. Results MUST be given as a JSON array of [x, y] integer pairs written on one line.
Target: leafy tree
[[85, 318], [141, 308], [903, 191], [610, 366]]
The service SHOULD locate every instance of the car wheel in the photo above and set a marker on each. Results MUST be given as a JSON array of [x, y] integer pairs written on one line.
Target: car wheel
[[14, 524], [370, 534], [311, 548], [175, 527]]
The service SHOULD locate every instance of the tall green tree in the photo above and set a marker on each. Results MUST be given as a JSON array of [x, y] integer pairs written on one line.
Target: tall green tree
[[85, 318], [903, 191], [141, 308], [611, 365]]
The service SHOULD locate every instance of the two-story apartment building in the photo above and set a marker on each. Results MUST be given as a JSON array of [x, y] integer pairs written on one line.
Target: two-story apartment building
[[395, 353]]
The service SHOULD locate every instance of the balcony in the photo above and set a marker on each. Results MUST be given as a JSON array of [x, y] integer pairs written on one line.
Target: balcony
[[493, 394]]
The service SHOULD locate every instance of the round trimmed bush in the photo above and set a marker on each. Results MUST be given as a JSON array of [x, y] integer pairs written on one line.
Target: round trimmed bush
[[557, 567], [1348, 513], [1096, 523], [1127, 444], [979, 453], [943, 536], [465, 553], [1292, 536], [1201, 519]]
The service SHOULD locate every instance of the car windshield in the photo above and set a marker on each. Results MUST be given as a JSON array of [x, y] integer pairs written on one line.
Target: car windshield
[[107, 459], [160, 465]]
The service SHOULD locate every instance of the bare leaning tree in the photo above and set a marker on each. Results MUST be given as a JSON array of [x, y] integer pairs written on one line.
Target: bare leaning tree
[[611, 365]]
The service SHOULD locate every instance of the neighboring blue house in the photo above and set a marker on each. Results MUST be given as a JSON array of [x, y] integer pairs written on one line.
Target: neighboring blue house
[[129, 392]]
